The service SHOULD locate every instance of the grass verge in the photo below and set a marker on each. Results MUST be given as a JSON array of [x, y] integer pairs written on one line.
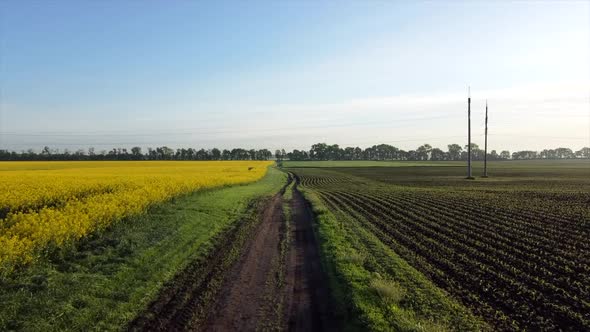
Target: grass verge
[[374, 288]]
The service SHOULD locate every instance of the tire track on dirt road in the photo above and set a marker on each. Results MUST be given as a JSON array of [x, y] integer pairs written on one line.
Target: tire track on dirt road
[[263, 275], [251, 292], [311, 307]]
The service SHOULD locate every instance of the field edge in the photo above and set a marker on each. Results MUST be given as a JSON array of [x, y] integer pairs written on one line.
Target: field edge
[[362, 293], [109, 278]]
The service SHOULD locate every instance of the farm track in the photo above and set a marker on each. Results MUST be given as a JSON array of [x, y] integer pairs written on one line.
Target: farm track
[[516, 268], [261, 274], [185, 301], [251, 292], [311, 307]]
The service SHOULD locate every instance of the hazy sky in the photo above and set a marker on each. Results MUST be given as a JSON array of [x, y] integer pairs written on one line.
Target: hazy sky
[[288, 74]]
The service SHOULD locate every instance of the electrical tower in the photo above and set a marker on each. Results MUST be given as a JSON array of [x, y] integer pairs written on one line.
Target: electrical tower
[[485, 156]]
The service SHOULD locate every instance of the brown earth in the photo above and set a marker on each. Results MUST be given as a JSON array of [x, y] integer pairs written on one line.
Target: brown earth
[[310, 303], [184, 302], [250, 294], [270, 279]]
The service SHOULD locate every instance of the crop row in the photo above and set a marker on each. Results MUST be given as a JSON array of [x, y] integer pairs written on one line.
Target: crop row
[[512, 229], [320, 181], [469, 267], [518, 270], [484, 237]]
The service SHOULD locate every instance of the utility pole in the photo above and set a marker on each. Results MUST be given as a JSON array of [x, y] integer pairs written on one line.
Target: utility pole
[[485, 156], [469, 176]]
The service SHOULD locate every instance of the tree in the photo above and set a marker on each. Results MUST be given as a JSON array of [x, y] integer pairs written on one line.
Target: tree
[[423, 152], [333, 152], [319, 151], [216, 154], [564, 153], [454, 151], [438, 154], [79, 154], [583, 153], [136, 153], [46, 151], [278, 155], [358, 154], [298, 155], [494, 155], [201, 154], [167, 153], [191, 154], [152, 154], [239, 154], [476, 153], [348, 153], [264, 154], [226, 154], [523, 155]]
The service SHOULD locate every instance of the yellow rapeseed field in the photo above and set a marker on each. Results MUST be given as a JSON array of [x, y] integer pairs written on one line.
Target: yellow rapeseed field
[[45, 204]]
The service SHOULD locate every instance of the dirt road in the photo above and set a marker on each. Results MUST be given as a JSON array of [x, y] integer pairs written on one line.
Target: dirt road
[[264, 274], [310, 305], [251, 293]]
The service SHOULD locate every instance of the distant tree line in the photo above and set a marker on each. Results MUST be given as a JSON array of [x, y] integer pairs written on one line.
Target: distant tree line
[[323, 151], [319, 151], [136, 153]]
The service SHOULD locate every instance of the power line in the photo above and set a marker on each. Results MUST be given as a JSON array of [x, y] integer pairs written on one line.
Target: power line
[[530, 136], [114, 144], [373, 141], [193, 131]]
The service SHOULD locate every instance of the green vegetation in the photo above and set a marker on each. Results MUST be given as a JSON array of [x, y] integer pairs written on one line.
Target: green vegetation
[[375, 286], [409, 247], [367, 163], [531, 166], [107, 279], [425, 152]]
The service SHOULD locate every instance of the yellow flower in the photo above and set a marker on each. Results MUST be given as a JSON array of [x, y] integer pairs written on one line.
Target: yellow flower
[[52, 203]]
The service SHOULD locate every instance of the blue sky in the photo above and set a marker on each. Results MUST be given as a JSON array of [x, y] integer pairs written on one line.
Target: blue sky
[[289, 74]]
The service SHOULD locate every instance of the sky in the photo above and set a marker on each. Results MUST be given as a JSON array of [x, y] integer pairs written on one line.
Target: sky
[[288, 74]]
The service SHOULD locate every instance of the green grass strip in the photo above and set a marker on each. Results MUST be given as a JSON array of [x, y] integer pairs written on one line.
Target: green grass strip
[[375, 288]]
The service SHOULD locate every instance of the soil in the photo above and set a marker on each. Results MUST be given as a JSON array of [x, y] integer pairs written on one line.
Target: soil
[[184, 301], [273, 281], [311, 305], [247, 299]]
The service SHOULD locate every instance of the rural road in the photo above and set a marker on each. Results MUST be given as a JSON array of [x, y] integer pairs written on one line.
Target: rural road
[[274, 282], [310, 306], [250, 293]]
